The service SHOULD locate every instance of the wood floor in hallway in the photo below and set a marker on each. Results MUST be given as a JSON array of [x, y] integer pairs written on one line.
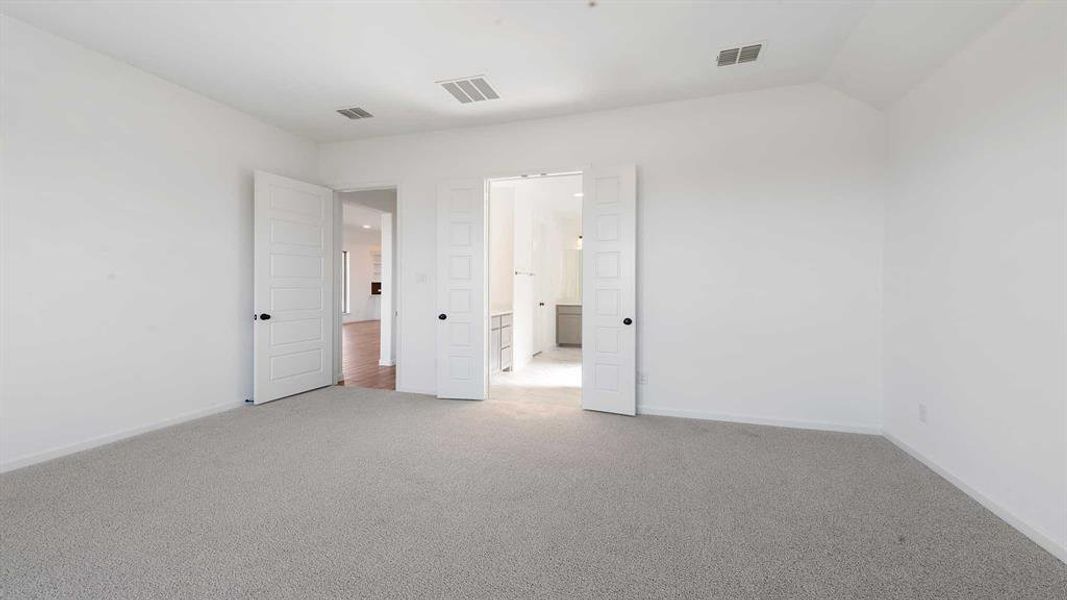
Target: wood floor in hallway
[[360, 351]]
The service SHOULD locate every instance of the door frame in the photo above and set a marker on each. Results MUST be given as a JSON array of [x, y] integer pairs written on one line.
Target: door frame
[[398, 286], [518, 174]]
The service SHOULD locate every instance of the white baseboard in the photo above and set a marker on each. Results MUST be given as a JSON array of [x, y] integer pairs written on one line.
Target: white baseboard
[[32, 459], [1046, 542], [386, 363], [664, 411], [411, 390], [1054, 548]]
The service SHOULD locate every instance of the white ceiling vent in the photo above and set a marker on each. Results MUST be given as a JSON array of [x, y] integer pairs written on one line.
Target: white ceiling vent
[[355, 113], [470, 89], [736, 56]]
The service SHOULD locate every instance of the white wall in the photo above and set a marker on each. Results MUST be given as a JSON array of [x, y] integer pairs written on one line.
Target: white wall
[[360, 244], [759, 243], [125, 230], [975, 271], [522, 294], [533, 224], [548, 216], [387, 307], [501, 246], [560, 270], [126, 246], [557, 218]]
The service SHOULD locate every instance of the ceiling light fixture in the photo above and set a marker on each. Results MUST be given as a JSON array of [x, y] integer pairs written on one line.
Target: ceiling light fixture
[[579, 195], [366, 227]]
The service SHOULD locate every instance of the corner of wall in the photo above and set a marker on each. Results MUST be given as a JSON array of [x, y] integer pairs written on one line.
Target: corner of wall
[[1052, 546]]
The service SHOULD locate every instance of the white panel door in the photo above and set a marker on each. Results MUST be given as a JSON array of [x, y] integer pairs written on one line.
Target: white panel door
[[544, 292], [461, 291], [609, 340], [294, 277]]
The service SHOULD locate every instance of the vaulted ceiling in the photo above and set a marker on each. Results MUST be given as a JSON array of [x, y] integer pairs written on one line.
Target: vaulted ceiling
[[294, 64]]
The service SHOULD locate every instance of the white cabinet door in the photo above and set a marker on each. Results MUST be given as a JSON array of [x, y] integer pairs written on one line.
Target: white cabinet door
[[609, 340], [461, 291], [293, 281]]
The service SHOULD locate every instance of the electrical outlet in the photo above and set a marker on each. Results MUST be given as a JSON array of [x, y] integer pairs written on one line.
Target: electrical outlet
[[922, 412], [642, 378]]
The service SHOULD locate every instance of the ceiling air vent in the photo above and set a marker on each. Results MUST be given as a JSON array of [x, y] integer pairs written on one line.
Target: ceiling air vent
[[736, 56], [728, 57], [470, 89], [355, 113]]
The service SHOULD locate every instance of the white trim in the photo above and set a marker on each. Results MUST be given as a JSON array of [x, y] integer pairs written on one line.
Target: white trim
[[1046, 542], [420, 391], [517, 175], [39, 457], [665, 411], [1054, 548], [386, 363], [398, 260], [336, 248], [1050, 545]]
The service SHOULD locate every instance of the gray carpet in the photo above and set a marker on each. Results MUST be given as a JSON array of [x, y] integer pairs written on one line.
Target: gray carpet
[[347, 493]]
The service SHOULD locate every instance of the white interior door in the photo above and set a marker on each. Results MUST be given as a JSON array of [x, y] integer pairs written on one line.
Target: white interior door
[[543, 292], [609, 340], [524, 291], [294, 287], [461, 291]]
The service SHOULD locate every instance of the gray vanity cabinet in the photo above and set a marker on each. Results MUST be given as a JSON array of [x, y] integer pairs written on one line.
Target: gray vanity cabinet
[[568, 324]]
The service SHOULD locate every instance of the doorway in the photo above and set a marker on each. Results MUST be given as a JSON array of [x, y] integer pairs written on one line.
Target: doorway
[[535, 295], [608, 289], [366, 291]]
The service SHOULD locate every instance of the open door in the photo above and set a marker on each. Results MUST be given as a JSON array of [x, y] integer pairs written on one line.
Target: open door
[[543, 302], [609, 340], [294, 291], [461, 291]]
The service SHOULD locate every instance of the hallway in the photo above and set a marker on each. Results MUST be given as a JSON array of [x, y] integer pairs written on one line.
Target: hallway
[[360, 351]]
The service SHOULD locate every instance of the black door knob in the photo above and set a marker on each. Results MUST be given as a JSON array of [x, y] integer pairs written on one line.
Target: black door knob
[[442, 316], [264, 317], [540, 303], [627, 321]]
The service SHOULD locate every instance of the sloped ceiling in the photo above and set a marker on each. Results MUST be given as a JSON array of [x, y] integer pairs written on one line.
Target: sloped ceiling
[[897, 44], [293, 64]]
